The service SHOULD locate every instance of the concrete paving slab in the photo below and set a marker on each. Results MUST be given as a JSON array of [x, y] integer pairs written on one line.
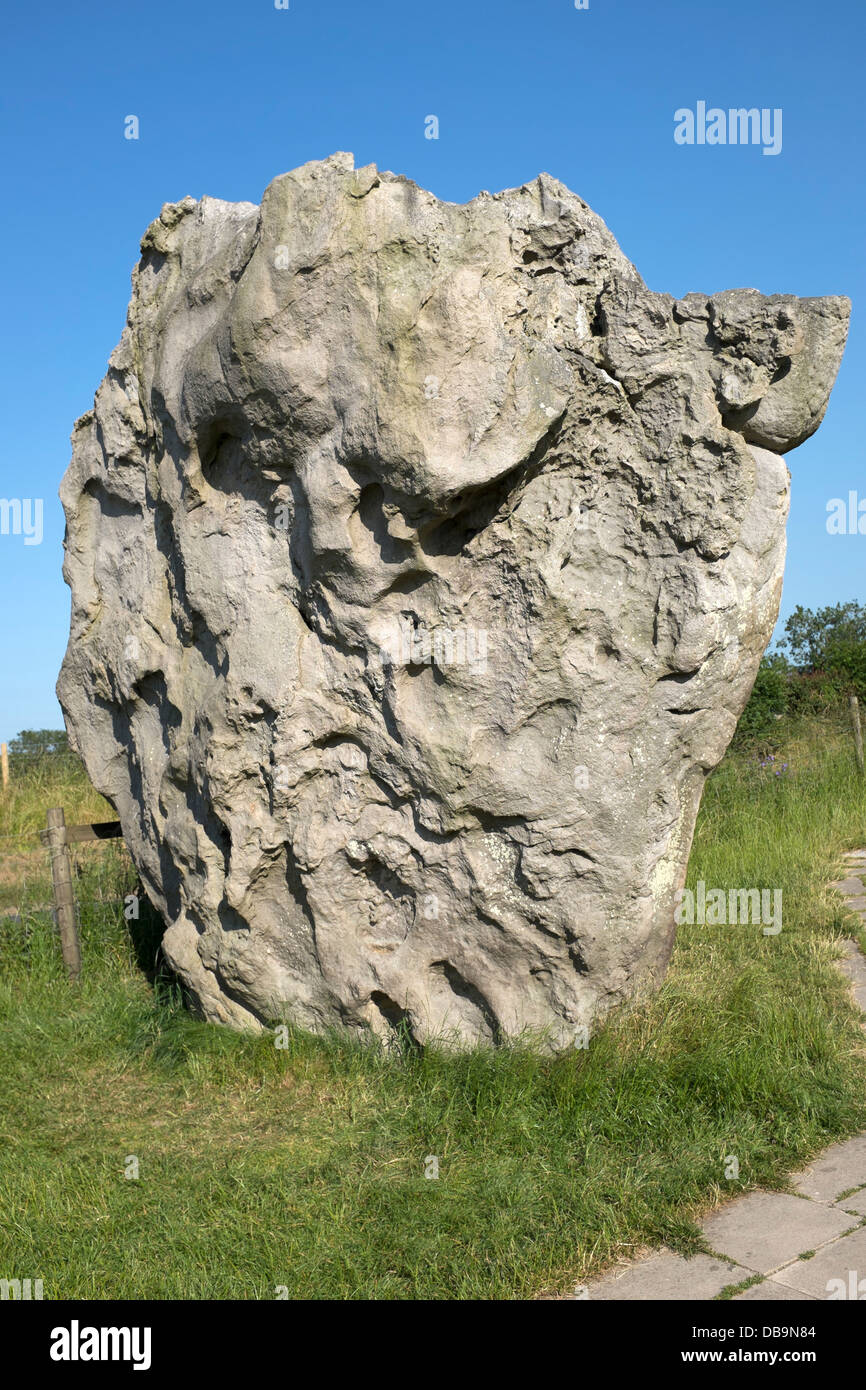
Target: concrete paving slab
[[771, 1292], [855, 1203], [767, 1229], [843, 1260], [668, 1277], [851, 886], [853, 967], [838, 1168], [853, 963]]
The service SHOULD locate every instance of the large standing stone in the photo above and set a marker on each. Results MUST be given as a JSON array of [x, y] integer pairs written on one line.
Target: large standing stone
[[421, 562]]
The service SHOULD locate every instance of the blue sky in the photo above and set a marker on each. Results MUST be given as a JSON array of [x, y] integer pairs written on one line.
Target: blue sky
[[229, 93]]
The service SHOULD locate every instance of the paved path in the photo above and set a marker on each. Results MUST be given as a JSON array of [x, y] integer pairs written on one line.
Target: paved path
[[787, 1247]]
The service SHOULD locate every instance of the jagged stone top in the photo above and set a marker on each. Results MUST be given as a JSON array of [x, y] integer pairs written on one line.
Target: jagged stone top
[[772, 359]]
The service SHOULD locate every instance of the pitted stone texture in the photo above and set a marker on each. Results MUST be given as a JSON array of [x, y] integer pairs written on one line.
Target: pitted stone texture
[[356, 414]]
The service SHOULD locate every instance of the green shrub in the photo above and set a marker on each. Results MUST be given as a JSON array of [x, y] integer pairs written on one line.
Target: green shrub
[[767, 703]]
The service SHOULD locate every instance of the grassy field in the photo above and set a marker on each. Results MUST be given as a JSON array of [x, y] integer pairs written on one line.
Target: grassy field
[[304, 1169]]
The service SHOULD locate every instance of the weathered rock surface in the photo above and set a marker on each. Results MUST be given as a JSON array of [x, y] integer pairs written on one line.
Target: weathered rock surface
[[421, 562]]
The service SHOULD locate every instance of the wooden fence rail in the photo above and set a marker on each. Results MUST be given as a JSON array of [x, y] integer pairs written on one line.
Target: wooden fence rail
[[58, 837], [858, 732]]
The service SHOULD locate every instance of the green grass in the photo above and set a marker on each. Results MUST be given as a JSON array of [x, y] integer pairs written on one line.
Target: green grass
[[731, 1290], [304, 1168]]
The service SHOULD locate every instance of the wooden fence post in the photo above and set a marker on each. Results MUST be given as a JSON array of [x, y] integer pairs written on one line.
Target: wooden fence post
[[858, 733], [64, 901], [4, 761]]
